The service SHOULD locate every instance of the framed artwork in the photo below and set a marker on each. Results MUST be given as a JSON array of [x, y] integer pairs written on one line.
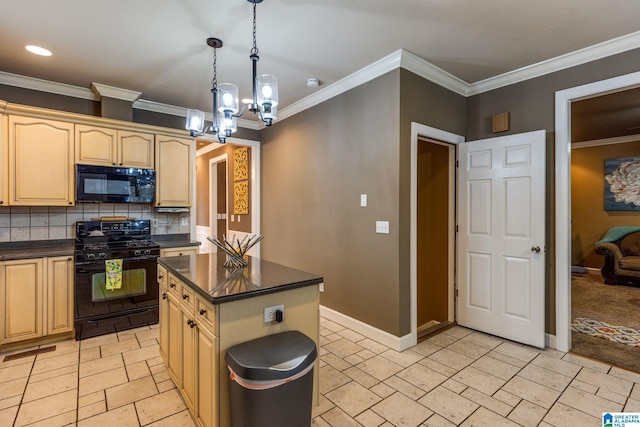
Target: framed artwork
[[622, 184]]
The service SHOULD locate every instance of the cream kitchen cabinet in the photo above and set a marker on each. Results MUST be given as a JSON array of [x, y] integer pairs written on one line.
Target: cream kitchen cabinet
[[4, 162], [186, 250], [41, 171], [36, 298], [113, 147], [174, 168]]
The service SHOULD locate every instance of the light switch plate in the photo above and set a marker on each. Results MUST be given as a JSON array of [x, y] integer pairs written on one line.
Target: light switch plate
[[363, 200], [382, 227]]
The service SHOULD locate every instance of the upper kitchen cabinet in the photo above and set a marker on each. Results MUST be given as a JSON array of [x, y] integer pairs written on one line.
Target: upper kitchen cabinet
[[40, 156], [4, 152], [112, 147], [174, 169]]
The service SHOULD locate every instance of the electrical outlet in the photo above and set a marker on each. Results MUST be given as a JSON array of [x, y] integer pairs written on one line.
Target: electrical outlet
[[184, 221], [321, 286], [382, 227], [270, 313], [155, 223]]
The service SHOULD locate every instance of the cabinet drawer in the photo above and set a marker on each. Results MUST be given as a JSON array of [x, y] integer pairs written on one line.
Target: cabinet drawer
[[162, 277], [187, 298], [175, 286], [206, 315]]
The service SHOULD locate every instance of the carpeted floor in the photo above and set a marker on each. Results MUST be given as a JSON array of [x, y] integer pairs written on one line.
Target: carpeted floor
[[613, 305]]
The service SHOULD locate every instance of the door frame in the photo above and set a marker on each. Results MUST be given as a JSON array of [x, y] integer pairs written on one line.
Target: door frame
[[422, 131], [213, 194], [563, 101]]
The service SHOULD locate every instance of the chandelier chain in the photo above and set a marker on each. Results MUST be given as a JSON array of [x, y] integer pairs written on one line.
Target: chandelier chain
[[254, 49], [214, 82]]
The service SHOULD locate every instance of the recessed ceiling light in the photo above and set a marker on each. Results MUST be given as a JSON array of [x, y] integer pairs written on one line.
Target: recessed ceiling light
[[38, 50]]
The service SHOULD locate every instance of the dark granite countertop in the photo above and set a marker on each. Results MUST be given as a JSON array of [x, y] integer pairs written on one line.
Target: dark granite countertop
[[206, 274], [36, 249], [173, 240]]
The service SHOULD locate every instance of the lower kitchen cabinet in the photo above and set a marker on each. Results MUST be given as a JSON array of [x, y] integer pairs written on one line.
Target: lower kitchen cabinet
[[185, 250], [36, 298]]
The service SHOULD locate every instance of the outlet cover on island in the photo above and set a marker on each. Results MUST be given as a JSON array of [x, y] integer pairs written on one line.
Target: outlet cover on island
[[184, 221], [382, 227]]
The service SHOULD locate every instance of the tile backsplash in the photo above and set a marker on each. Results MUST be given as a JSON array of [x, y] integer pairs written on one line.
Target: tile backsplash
[[20, 223]]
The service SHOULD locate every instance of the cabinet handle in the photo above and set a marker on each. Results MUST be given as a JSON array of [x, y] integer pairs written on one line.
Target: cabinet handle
[[185, 296], [172, 285], [202, 312], [69, 259], [161, 277], [120, 164], [70, 203], [164, 295], [191, 323], [1, 202], [113, 164]]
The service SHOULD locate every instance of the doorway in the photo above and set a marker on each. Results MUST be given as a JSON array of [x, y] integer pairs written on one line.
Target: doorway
[[218, 196], [435, 192]]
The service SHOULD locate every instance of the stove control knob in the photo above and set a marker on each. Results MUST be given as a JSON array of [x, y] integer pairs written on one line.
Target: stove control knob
[[137, 252], [102, 255], [91, 256], [147, 251]]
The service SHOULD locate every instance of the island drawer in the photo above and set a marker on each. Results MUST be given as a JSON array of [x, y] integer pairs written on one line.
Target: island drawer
[[162, 277], [187, 296], [206, 314], [175, 286]]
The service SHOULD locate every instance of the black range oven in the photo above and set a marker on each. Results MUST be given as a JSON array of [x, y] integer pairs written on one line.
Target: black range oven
[[115, 277]]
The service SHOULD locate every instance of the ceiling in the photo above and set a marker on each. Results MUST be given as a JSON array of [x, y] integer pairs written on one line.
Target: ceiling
[[159, 49]]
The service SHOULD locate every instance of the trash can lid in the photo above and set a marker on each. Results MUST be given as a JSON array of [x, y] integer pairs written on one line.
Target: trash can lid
[[272, 357]]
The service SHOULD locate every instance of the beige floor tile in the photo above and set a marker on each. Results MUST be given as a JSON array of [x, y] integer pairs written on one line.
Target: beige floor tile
[[160, 376], [383, 390], [10, 401], [533, 392], [331, 379], [130, 392], [319, 422], [148, 343], [426, 348], [65, 419], [454, 386], [366, 354], [495, 367], [632, 405], [324, 405], [458, 332], [351, 335], [422, 377], [508, 398], [442, 340], [14, 372], [130, 334], [125, 416], [557, 365], [105, 363], [561, 415], [527, 414], [88, 354], [55, 362], [438, 367], [102, 381], [624, 374], [483, 340], [13, 388], [507, 359], [545, 377], [469, 349], [159, 406], [165, 385], [608, 382], [399, 410], [437, 421], [47, 407], [588, 403], [517, 351], [485, 418], [352, 398], [8, 415], [332, 326], [337, 362], [379, 367], [40, 389], [451, 358], [361, 377], [98, 341], [119, 347], [614, 397], [138, 370], [92, 398], [580, 385], [62, 347], [145, 335], [141, 354], [182, 419], [353, 359], [405, 358], [587, 363], [488, 402], [92, 410], [551, 352], [336, 417], [405, 387], [67, 370], [343, 347], [155, 361], [15, 362], [370, 419], [635, 392], [448, 404], [480, 380]]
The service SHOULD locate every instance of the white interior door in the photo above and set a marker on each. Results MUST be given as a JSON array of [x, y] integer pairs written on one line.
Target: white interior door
[[501, 220]]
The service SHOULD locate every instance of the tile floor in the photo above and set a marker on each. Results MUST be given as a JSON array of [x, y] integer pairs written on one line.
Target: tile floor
[[460, 377]]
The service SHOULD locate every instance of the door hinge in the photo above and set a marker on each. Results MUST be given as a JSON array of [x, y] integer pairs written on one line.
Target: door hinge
[[457, 229], [457, 163], [456, 293]]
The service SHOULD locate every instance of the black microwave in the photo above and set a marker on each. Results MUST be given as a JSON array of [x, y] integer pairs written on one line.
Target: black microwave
[[114, 185]]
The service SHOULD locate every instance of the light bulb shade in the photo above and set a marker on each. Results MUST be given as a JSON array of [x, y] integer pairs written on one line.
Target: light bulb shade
[[195, 121], [228, 99], [266, 91], [269, 113], [227, 124]]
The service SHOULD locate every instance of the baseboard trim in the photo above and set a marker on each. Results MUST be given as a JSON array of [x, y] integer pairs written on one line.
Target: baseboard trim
[[549, 341], [380, 336]]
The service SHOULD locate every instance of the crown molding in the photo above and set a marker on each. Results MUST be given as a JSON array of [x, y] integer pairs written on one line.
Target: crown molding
[[605, 141], [115, 92], [430, 72], [47, 86], [572, 59]]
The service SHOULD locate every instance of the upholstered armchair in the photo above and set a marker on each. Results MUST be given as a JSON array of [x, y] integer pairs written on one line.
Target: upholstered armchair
[[621, 249]]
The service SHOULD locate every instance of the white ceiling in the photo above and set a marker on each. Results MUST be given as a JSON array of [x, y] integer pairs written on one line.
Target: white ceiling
[[158, 47]]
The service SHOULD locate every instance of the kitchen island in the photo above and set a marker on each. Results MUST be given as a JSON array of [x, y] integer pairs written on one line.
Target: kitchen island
[[206, 309]]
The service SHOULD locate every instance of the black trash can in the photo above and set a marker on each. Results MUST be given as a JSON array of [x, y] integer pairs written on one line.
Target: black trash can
[[271, 381]]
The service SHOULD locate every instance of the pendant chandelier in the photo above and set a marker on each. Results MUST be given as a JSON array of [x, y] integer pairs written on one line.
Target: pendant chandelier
[[226, 100]]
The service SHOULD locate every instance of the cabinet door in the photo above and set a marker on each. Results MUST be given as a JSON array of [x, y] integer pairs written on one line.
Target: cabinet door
[[41, 168], [174, 352], [206, 413], [4, 161], [21, 291], [174, 160], [96, 145], [186, 250], [136, 149], [60, 278], [163, 323], [188, 383]]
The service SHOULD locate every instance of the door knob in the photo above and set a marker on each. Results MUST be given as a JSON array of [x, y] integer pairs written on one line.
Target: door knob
[[535, 249]]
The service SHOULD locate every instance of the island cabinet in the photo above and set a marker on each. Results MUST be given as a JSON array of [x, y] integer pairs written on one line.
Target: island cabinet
[[206, 309], [103, 146], [4, 150], [179, 251], [174, 165], [41, 171]]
